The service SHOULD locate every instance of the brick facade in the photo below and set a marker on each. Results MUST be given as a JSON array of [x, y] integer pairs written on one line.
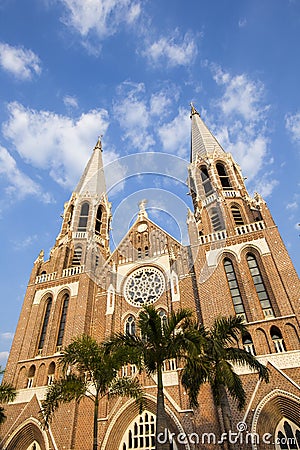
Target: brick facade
[[227, 224]]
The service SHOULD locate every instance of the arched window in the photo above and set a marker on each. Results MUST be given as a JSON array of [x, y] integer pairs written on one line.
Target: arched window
[[139, 253], [206, 181], [237, 216], [45, 324], [248, 344], [30, 378], [224, 178], [146, 251], [130, 326], [163, 318], [287, 435], [277, 339], [62, 323], [234, 288], [216, 220], [98, 220], [140, 433], [260, 286], [192, 184], [83, 218], [51, 373], [77, 256]]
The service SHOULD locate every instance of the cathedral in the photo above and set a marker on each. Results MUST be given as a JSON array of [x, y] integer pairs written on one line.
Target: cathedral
[[235, 264]]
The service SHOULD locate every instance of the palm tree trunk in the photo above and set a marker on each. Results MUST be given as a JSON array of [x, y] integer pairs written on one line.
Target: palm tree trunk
[[226, 414], [162, 434], [95, 428]]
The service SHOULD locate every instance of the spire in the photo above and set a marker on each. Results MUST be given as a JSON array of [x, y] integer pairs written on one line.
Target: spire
[[203, 141], [92, 180], [142, 210]]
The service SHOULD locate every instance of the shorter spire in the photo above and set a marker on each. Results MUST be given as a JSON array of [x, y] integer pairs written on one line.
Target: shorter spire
[[193, 110], [92, 180], [142, 212], [203, 141], [99, 143]]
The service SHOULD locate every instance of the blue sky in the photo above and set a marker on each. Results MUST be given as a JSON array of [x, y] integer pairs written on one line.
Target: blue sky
[[71, 70]]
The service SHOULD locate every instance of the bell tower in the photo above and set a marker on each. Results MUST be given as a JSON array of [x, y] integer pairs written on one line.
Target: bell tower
[[86, 218], [59, 299], [242, 264]]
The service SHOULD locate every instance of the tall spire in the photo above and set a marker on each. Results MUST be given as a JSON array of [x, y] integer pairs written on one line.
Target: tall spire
[[203, 141], [92, 180]]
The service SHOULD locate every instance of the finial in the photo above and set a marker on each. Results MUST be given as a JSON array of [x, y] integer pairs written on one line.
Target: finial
[[142, 213], [99, 143], [40, 258], [193, 110]]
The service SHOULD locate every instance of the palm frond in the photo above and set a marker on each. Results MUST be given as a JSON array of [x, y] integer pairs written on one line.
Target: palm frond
[[84, 352], [234, 385], [150, 325], [194, 374], [227, 330], [7, 393], [242, 357], [175, 320], [128, 387], [62, 391], [2, 415]]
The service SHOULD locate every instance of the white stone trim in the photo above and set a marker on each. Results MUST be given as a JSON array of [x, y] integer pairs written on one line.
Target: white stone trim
[[282, 360], [55, 290], [25, 395], [213, 256], [123, 270], [110, 300]]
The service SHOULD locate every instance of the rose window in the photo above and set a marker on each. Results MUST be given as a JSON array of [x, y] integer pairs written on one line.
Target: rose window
[[144, 286]]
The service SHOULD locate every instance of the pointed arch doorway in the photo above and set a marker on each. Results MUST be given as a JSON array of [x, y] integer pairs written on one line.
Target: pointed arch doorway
[[130, 430]]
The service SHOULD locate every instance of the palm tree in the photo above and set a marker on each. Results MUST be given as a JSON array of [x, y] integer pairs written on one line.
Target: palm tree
[[157, 341], [7, 394], [88, 371], [221, 349]]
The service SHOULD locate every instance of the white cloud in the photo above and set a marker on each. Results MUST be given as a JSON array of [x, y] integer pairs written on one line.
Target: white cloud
[[133, 115], [3, 358], [241, 127], [140, 115], [25, 242], [20, 185], [242, 95], [7, 336], [292, 123], [134, 118], [172, 51], [20, 62], [292, 206], [159, 103], [175, 135], [265, 185], [103, 17], [70, 101], [58, 144]]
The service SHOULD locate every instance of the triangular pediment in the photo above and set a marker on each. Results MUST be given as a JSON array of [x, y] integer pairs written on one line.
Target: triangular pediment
[[145, 239]]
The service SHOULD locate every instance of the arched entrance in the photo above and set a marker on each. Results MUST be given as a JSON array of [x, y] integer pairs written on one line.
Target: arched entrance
[[28, 436], [131, 430], [278, 415]]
